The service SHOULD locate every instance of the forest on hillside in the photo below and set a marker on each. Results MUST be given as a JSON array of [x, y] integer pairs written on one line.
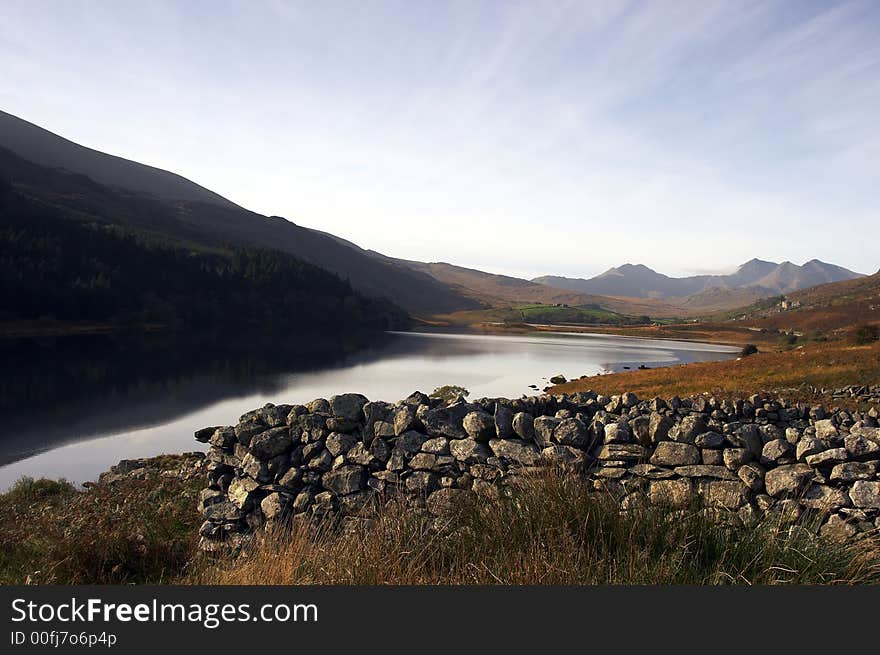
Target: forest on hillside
[[63, 265]]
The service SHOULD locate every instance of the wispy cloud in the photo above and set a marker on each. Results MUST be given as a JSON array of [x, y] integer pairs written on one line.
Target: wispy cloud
[[529, 138]]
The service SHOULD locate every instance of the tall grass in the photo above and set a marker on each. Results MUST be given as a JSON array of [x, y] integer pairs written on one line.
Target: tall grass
[[555, 531]]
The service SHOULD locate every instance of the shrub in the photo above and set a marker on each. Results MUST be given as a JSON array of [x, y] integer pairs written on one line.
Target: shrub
[[449, 392], [866, 334], [748, 349]]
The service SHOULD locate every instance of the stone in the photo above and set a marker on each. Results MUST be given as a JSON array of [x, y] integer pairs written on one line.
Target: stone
[[479, 426], [626, 452], [359, 454], [516, 450], [752, 475], [704, 471], [615, 433], [448, 501], [788, 480], [658, 427], [241, 492], [558, 379], [524, 426], [711, 456], [676, 493], [446, 421], [344, 480], [348, 406], [422, 482], [563, 456], [571, 432], [672, 453], [273, 505], [688, 429], [734, 458], [709, 440], [504, 421], [860, 447], [837, 529], [469, 451], [291, 479], [384, 429], [339, 444], [809, 446], [436, 446], [222, 512], [775, 450], [544, 427], [828, 457], [405, 420], [380, 449], [246, 431], [865, 494], [223, 438], [356, 503], [410, 442], [747, 436], [824, 498], [852, 471], [825, 429], [651, 472], [727, 494], [423, 462]]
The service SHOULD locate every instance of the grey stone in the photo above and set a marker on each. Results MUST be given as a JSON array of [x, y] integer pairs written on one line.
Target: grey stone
[[571, 432], [709, 440], [825, 429], [688, 429], [838, 529], [503, 421], [809, 446], [752, 475], [671, 453], [651, 472], [339, 444], [410, 442], [469, 451], [515, 450], [436, 446], [614, 433], [865, 494], [479, 426], [446, 421], [273, 505], [787, 480], [423, 462], [524, 426], [775, 450], [677, 493], [626, 452], [348, 406], [544, 427], [727, 494], [704, 471], [422, 482], [860, 447], [344, 480], [446, 502], [734, 458], [824, 498], [828, 457], [852, 471], [563, 456], [658, 427]]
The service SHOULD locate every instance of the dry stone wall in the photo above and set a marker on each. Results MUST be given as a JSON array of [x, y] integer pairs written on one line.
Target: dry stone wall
[[745, 458]]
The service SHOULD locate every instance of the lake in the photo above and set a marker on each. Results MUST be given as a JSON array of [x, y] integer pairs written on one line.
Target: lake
[[74, 406]]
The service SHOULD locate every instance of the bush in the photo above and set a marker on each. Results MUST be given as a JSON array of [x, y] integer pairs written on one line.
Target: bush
[[866, 334], [748, 349], [449, 392]]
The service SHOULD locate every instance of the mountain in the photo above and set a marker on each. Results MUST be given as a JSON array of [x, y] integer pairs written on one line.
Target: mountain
[[159, 202], [759, 277], [503, 290], [42, 147]]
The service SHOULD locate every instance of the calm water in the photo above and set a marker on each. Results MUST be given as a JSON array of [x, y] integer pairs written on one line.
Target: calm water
[[74, 406]]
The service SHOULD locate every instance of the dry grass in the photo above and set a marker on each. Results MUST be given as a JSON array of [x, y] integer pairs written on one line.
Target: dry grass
[[556, 531], [130, 531], [829, 365]]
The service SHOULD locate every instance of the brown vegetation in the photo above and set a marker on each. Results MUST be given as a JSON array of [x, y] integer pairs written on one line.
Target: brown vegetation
[[829, 365], [555, 531]]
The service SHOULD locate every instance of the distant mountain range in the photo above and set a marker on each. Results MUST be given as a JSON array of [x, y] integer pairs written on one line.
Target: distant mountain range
[[759, 278]]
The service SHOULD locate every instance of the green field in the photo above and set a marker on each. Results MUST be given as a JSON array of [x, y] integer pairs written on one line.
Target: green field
[[538, 313]]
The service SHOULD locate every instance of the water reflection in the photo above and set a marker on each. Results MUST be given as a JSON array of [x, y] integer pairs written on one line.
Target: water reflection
[[73, 406]]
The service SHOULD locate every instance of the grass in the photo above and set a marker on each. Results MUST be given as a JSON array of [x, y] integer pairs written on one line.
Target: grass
[[130, 531], [823, 365], [555, 531]]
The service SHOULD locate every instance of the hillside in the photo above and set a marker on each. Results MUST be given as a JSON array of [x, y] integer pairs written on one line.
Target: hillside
[[829, 309], [705, 293], [503, 291], [160, 202], [67, 264]]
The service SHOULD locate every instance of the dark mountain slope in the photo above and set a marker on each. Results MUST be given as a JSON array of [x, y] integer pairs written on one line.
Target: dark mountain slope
[[212, 225], [47, 149]]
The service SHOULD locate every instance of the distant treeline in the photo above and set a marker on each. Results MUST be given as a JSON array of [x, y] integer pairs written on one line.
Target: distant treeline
[[57, 264]]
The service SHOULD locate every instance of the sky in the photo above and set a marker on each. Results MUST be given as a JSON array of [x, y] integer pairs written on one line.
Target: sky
[[525, 138]]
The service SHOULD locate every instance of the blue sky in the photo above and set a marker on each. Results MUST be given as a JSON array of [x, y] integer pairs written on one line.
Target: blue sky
[[525, 138]]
